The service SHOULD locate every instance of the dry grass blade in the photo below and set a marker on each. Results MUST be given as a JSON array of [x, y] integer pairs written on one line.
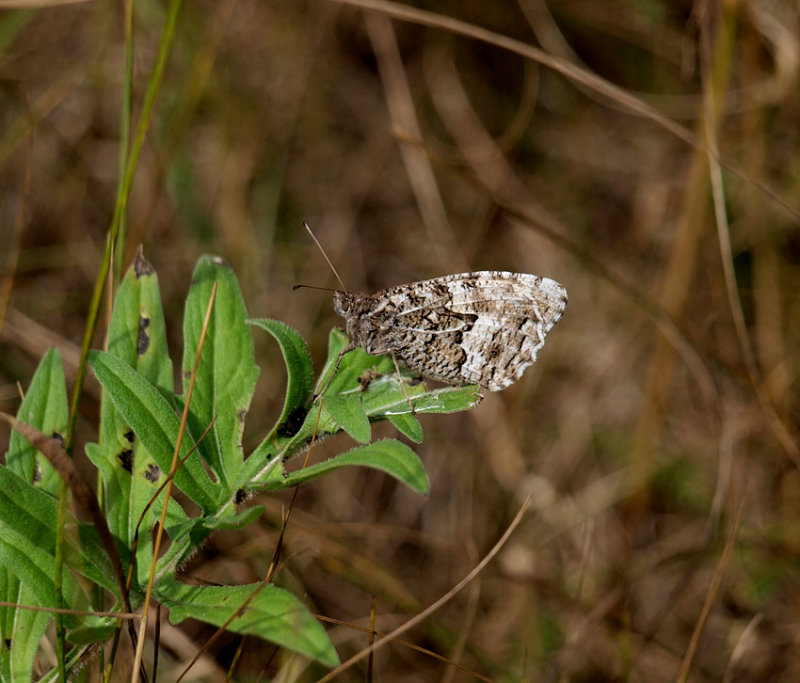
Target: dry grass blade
[[168, 494], [781, 431], [418, 166], [711, 596]]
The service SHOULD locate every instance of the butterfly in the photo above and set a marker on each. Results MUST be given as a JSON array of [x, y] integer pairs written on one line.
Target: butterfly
[[480, 328]]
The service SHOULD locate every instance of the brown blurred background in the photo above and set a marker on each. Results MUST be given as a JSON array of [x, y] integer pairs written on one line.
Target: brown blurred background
[[663, 406]]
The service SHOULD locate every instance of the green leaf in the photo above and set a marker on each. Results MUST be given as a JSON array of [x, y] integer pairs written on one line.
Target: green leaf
[[263, 468], [145, 479], [136, 335], [237, 521], [385, 398], [227, 373], [34, 567], [187, 534], [337, 342], [353, 365], [28, 525], [44, 407], [408, 425], [203, 526], [349, 414], [155, 423], [96, 632], [27, 511], [449, 399], [24, 633], [273, 614], [299, 369], [388, 455]]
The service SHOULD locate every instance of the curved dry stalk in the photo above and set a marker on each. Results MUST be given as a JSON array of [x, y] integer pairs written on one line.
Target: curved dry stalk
[[601, 86], [439, 603]]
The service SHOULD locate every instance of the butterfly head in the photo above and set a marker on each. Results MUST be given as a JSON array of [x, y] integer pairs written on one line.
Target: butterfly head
[[342, 302], [354, 308]]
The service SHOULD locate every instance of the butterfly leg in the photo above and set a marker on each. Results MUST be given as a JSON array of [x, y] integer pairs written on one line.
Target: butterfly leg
[[402, 383], [345, 350]]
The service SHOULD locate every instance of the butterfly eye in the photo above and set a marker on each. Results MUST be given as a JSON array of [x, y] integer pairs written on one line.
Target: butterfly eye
[[342, 302]]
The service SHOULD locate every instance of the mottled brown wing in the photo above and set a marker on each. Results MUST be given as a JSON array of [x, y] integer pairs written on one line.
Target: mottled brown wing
[[484, 327]]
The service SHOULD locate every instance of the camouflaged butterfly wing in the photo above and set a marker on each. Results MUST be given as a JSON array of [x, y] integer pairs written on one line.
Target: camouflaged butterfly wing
[[483, 328]]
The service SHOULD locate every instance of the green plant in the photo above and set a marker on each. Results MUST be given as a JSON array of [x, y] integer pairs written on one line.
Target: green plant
[[138, 432]]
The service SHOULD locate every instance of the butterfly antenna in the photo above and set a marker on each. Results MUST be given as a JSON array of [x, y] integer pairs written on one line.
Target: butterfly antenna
[[321, 289], [316, 241]]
